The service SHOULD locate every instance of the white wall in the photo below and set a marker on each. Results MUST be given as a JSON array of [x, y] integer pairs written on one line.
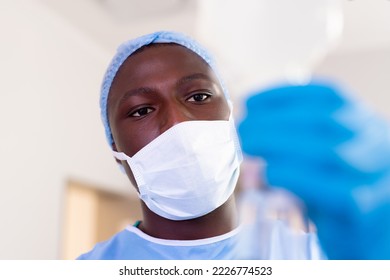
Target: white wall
[[50, 126], [365, 72]]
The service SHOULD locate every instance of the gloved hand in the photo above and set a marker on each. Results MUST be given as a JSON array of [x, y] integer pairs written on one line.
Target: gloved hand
[[334, 154]]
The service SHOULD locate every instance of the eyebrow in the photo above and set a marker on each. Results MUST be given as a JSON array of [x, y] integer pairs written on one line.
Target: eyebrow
[[195, 76], [181, 81], [136, 91]]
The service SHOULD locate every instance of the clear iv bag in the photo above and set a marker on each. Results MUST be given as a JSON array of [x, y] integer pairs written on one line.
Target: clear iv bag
[[258, 42]]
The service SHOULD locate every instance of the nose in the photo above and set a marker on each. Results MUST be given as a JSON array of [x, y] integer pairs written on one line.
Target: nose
[[173, 115]]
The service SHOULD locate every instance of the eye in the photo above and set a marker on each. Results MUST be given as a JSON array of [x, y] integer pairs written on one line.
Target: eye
[[199, 97], [141, 112]]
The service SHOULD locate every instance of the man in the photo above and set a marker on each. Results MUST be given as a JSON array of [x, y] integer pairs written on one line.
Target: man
[[169, 122]]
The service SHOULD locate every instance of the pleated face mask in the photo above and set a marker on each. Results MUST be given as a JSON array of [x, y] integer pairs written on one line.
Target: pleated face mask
[[189, 170]]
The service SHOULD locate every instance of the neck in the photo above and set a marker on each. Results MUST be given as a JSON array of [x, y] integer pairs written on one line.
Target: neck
[[222, 220]]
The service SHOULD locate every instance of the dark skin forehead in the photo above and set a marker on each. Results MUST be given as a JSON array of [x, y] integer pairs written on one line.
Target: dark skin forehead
[[122, 73], [161, 80]]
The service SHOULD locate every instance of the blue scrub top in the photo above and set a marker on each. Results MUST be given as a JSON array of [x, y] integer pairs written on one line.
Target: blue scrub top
[[133, 244]]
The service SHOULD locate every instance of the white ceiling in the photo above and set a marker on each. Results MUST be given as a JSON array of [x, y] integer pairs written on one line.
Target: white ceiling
[[109, 22]]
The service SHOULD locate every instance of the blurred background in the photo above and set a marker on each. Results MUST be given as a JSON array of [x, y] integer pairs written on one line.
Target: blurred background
[[60, 189]]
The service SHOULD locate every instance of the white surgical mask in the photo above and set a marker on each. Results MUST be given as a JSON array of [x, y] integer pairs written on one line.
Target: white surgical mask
[[189, 170]]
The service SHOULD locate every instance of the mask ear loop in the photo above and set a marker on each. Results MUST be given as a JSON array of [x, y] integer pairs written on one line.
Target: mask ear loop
[[119, 164], [230, 104], [121, 168], [234, 132], [136, 172]]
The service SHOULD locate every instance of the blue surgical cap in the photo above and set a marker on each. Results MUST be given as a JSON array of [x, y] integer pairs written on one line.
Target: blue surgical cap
[[129, 47]]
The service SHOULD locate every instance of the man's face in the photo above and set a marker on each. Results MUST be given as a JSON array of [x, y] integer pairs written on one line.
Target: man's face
[[158, 88]]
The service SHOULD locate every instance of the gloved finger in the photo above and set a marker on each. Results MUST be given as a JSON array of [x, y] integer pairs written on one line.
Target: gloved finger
[[365, 154], [370, 147], [300, 113], [364, 234], [280, 98], [307, 137], [324, 185], [356, 134]]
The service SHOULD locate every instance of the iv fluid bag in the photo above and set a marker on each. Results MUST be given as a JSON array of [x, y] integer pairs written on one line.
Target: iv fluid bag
[[262, 41]]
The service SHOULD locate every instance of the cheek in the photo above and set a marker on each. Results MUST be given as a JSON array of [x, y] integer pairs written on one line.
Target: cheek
[[131, 139], [128, 143], [222, 111]]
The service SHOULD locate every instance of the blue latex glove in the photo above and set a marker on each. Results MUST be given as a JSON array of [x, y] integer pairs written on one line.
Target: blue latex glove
[[334, 154]]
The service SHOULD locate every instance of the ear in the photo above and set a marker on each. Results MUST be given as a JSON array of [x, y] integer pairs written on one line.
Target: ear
[[119, 162], [115, 149]]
